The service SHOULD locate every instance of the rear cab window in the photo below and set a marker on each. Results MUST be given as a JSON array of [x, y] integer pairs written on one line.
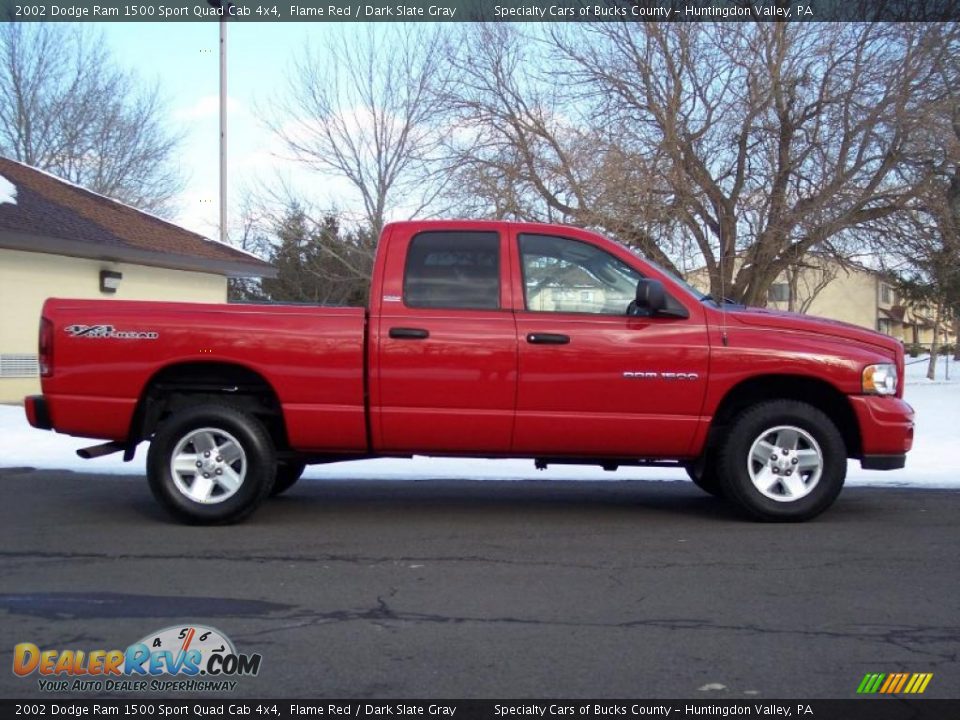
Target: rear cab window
[[457, 270]]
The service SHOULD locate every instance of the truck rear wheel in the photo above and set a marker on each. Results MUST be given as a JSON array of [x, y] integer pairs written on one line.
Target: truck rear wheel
[[211, 464], [288, 472], [782, 461]]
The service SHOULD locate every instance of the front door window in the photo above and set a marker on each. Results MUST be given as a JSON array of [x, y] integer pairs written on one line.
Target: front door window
[[569, 276]]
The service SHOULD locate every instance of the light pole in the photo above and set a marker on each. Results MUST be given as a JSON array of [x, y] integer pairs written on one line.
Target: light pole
[[224, 7]]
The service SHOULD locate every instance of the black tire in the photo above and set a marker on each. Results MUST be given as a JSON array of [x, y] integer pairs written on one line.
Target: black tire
[[805, 495], [248, 460], [288, 472], [703, 472]]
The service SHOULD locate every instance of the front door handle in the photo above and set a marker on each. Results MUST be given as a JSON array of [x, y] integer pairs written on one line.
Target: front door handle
[[548, 339], [402, 333]]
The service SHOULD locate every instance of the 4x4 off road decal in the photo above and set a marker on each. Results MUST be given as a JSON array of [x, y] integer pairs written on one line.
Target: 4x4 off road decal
[[100, 332]]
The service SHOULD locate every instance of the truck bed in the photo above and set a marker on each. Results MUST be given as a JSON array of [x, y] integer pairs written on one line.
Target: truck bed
[[313, 356]]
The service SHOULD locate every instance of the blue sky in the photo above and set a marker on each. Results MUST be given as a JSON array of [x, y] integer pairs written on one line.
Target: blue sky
[[184, 59]]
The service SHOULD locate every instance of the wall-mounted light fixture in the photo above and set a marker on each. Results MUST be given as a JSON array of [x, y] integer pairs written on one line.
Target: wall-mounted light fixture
[[110, 281]]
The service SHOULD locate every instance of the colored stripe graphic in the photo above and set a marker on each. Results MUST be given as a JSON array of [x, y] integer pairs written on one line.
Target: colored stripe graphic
[[910, 683], [903, 680], [870, 683], [918, 683], [890, 682]]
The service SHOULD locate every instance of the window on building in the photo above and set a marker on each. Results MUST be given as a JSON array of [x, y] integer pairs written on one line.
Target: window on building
[[886, 294], [455, 270], [779, 292]]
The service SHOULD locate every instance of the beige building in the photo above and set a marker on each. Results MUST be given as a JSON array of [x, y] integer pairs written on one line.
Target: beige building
[[856, 295], [849, 293], [59, 240]]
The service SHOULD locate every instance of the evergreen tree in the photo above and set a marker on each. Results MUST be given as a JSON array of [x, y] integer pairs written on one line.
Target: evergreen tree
[[318, 262]]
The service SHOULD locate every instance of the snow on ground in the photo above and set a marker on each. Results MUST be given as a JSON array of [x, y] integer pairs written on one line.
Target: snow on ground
[[937, 439]]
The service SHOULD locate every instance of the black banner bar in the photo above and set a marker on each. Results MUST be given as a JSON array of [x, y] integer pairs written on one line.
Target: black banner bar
[[873, 708], [480, 10]]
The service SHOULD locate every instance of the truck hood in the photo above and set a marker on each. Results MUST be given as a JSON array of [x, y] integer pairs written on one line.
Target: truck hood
[[781, 320]]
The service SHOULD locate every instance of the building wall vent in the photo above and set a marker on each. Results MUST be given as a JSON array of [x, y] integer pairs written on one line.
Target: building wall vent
[[19, 365]]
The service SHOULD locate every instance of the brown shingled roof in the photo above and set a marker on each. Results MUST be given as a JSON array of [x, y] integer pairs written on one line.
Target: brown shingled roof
[[52, 208]]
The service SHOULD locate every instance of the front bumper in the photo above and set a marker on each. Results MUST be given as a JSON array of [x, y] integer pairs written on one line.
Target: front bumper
[[883, 462], [38, 412], [886, 431]]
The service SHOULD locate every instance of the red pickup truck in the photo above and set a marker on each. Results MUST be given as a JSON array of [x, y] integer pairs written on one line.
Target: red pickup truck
[[488, 339]]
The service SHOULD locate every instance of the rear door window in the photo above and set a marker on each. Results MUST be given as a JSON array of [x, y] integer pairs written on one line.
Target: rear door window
[[457, 270]]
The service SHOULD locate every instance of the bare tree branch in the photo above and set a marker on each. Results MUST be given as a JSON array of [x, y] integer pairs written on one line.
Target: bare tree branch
[[66, 108], [364, 107]]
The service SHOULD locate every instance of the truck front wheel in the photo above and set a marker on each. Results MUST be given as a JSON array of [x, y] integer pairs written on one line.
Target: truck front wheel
[[782, 461], [211, 464], [703, 472]]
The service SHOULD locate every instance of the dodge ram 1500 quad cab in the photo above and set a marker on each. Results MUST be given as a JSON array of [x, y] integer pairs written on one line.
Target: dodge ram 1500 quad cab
[[487, 339]]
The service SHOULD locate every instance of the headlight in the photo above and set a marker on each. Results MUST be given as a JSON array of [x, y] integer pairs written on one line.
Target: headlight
[[880, 379]]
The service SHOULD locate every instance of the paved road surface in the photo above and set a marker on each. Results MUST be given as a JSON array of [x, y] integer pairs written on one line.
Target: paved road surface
[[495, 590]]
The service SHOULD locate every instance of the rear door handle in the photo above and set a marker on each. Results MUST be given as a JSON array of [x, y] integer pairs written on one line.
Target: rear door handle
[[402, 333], [548, 339]]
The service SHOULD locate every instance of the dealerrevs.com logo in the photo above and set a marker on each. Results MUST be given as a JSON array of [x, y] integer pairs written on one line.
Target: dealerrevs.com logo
[[193, 658]]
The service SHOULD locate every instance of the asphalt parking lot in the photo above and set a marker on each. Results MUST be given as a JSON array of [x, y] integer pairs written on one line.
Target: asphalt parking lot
[[495, 589]]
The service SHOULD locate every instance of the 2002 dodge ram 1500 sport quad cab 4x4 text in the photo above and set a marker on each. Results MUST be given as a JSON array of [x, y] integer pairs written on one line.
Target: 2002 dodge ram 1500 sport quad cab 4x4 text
[[486, 339]]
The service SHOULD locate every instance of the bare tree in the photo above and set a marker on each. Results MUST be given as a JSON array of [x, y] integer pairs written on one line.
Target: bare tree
[[525, 150], [780, 137], [926, 255], [251, 234], [760, 141], [66, 108], [364, 107]]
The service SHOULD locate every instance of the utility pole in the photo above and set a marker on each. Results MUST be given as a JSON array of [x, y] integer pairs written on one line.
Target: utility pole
[[224, 7], [223, 128]]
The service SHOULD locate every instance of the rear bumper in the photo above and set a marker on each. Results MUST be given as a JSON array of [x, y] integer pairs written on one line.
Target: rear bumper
[[886, 430], [38, 412]]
